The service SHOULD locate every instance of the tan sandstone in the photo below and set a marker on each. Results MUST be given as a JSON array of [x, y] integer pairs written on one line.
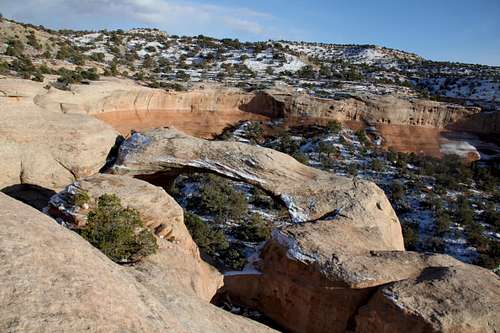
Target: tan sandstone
[[46, 147], [54, 281]]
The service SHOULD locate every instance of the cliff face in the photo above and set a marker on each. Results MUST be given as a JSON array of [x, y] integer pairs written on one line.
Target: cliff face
[[377, 109], [205, 112]]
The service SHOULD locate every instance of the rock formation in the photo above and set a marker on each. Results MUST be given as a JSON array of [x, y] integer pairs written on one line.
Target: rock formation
[[207, 110], [308, 193], [54, 281], [375, 109], [316, 274], [43, 147], [127, 105], [305, 294]]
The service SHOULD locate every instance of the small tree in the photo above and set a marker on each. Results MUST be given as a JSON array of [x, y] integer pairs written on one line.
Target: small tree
[[209, 239], [362, 137], [219, 198], [334, 126], [254, 230], [253, 132], [117, 231]]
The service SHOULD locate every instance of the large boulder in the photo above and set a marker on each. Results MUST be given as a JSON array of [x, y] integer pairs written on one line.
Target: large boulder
[[308, 286], [55, 281], [46, 147], [442, 299]]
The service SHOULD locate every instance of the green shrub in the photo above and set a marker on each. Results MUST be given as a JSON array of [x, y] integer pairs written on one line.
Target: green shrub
[[334, 126], [254, 132], [98, 56], [352, 169], [254, 230], [287, 145], [15, 48], [219, 198], [37, 76], [377, 165], [443, 222], [4, 67], [397, 191], [410, 236], [464, 211], [33, 41], [327, 150], [362, 137], [234, 258], [117, 231], [182, 76], [261, 199], [492, 217], [301, 157], [81, 198], [208, 239]]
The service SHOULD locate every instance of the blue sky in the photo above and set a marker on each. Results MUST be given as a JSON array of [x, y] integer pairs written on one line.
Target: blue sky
[[453, 30]]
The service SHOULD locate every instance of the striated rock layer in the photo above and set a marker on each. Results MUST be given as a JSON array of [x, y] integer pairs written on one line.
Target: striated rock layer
[[205, 111], [377, 109]]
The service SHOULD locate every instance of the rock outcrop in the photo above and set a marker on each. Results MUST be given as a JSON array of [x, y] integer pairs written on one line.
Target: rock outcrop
[[441, 299], [206, 110], [54, 281], [322, 277], [158, 210], [308, 193], [44, 147], [126, 105], [316, 274]]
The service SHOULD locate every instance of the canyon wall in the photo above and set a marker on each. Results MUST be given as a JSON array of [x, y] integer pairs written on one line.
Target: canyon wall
[[206, 110]]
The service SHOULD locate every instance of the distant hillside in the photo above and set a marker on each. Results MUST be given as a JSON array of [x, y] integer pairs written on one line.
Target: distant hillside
[[169, 61]]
